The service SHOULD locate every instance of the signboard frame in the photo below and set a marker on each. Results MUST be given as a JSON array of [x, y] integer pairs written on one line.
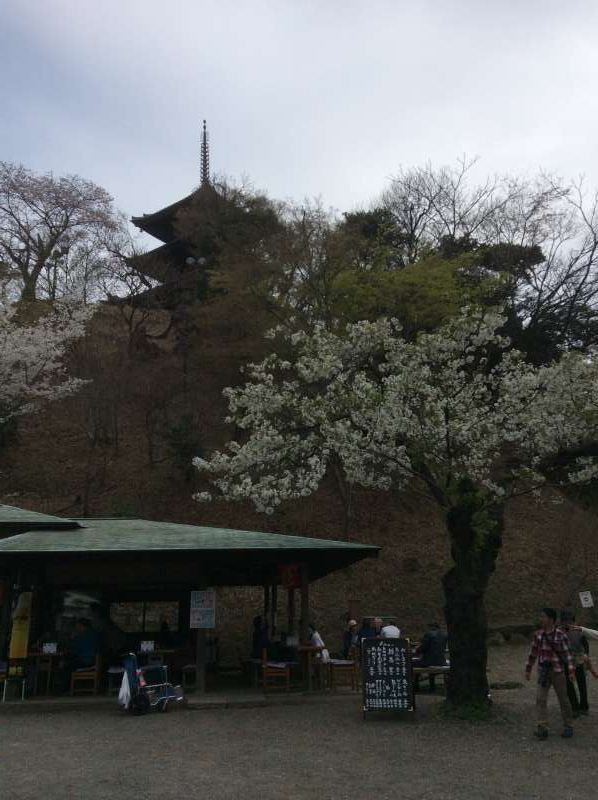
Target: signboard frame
[[202, 609], [402, 645], [586, 599]]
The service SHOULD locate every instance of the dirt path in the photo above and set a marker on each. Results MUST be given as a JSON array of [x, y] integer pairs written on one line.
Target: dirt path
[[324, 751]]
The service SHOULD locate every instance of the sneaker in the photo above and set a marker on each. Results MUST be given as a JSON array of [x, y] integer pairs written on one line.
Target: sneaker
[[567, 732], [541, 732]]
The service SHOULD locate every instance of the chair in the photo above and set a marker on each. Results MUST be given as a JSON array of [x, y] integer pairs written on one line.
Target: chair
[[274, 673], [87, 680], [44, 667], [344, 671], [189, 676], [13, 671]]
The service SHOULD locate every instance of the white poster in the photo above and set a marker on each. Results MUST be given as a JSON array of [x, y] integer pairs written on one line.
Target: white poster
[[203, 609], [586, 599]]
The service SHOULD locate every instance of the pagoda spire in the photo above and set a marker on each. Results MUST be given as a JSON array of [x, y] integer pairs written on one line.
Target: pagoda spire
[[205, 156]]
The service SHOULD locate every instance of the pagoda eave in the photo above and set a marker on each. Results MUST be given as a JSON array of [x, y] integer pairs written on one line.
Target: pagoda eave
[[160, 224], [164, 263]]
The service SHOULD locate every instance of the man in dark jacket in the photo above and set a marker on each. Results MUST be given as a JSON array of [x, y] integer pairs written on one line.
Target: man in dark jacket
[[431, 652], [432, 648]]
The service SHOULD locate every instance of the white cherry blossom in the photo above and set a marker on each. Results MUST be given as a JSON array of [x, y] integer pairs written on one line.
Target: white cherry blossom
[[32, 365]]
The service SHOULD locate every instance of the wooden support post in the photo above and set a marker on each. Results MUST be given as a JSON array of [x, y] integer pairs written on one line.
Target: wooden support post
[[304, 632], [200, 660], [274, 608], [291, 611]]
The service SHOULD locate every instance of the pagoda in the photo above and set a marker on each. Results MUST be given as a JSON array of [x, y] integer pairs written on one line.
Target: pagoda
[[175, 264]]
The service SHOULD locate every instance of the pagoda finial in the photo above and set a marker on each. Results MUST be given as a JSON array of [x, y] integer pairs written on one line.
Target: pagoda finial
[[205, 156]]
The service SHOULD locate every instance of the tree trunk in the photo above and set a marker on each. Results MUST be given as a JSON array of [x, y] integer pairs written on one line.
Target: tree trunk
[[475, 531], [28, 290]]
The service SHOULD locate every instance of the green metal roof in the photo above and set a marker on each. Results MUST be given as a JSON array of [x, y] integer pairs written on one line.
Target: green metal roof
[[139, 535], [15, 520]]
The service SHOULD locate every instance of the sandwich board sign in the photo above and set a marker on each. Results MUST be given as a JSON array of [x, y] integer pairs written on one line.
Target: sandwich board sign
[[202, 612], [586, 599], [387, 675]]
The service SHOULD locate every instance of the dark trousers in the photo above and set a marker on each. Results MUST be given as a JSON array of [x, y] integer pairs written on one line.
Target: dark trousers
[[580, 704]]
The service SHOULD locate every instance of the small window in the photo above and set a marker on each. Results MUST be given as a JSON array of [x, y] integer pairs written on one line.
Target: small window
[[146, 617]]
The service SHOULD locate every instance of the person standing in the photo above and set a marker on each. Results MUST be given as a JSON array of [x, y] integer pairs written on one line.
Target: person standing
[[350, 638], [578, 644], [550, 648]]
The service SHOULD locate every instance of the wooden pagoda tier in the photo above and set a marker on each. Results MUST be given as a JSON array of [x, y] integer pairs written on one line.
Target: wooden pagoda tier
[[161, 224], [172, 260], [165, 263]]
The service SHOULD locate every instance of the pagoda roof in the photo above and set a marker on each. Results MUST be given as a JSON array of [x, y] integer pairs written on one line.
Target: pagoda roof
[[160, 224], [168, 294], [164, 263]]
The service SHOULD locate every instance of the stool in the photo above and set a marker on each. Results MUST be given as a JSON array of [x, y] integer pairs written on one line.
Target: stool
[[13, 673]]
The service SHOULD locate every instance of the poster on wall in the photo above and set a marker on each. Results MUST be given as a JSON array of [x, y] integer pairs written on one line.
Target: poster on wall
[[290, 576], [21, 623], [586, 599], [203, 609]]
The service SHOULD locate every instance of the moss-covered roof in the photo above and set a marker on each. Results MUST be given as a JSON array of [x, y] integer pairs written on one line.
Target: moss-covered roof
[[15, 520], [139, 535]]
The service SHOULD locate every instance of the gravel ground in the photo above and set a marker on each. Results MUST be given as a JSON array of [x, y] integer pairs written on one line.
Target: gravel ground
[[320, 750]]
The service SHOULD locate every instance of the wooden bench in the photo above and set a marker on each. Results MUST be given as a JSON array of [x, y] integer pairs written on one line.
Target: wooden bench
[[430, 673]]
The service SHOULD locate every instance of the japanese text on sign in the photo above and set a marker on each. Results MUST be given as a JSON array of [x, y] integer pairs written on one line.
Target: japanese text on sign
[[387, 682], [203, 609]]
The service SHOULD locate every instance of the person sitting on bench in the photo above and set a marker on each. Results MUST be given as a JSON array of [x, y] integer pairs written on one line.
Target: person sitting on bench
[[431, 652]]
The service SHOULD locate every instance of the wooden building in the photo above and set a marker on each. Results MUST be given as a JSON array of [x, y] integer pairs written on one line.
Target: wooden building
[[118, 561]]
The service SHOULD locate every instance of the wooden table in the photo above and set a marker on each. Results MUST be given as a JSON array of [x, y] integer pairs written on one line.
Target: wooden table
[[307, 653]]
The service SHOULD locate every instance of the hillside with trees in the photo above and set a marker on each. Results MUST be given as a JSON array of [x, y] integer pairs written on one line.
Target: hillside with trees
[[150, 386]]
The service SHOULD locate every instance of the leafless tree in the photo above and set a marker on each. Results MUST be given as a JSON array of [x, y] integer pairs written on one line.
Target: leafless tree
[[52, 231]]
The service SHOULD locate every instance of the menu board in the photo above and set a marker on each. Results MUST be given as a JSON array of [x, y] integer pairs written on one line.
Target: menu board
[[387, 676]]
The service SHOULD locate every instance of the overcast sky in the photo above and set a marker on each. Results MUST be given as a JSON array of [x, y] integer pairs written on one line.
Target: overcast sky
[[305, 98]]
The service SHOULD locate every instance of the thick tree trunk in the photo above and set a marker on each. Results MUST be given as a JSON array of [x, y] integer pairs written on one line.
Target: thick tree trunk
[[28, 290], [475, 532]]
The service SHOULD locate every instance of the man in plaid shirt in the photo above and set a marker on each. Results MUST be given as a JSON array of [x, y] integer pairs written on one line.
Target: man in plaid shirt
[[550, 647]]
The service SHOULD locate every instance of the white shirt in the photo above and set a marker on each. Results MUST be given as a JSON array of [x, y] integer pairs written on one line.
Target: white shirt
[[589, 633], [390, 632], [317, 641]]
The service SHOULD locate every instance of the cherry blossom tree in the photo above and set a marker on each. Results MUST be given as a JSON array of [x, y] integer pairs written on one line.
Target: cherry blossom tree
[[32, 354], [53, 232], [457, 414]]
